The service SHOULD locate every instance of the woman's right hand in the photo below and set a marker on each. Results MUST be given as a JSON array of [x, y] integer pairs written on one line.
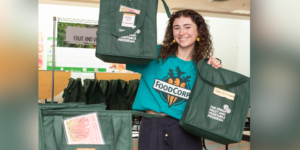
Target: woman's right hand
[[214, 62]]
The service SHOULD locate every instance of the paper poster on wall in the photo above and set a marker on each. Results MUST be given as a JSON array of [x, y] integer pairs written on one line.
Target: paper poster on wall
[[120, 68], [41, 50]]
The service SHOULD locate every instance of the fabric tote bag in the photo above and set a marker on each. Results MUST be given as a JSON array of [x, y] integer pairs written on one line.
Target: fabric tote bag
[[218, 104], [95, 94], [104, 86], [127, 31], [87, 86], [116, 128], [131, 92], [116, 98], [74, 92]]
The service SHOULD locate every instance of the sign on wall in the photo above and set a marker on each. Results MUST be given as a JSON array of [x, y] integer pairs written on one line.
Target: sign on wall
[[41, 51], [75, 48], [77, 35]]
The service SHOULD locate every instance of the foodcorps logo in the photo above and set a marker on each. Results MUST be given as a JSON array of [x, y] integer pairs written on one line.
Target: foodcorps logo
[[171, 89], [226, 108], [174, 90]]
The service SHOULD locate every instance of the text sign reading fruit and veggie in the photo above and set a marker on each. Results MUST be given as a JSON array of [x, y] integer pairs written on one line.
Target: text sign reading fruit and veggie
[[83, 129], [76, 35]]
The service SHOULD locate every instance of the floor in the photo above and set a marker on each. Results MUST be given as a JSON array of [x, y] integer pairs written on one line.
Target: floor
[[210, 145], [243, 145]]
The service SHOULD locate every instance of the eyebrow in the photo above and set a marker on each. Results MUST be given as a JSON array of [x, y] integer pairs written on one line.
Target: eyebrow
[[183, 25]]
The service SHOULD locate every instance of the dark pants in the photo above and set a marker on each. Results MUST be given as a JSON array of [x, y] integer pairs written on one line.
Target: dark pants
[[166, 134]]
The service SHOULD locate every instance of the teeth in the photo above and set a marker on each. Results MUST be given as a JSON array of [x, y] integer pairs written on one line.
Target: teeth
[[183, 38]]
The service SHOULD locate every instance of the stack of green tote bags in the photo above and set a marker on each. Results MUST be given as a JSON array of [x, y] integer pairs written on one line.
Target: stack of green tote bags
[[115, 94]]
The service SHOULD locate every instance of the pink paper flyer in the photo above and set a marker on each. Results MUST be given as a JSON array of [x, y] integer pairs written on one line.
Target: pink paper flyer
[[84, 129]]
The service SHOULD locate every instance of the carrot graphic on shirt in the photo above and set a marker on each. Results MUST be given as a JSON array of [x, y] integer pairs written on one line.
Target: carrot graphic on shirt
[[174, 89], [170, 80], [183, 84], [177, 81]]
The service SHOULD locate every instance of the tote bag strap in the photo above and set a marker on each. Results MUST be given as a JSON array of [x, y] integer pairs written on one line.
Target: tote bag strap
[[167, 9], [233, 84], [58, 129]]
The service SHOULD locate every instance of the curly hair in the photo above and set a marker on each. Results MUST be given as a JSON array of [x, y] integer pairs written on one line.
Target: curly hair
[[203, 48]]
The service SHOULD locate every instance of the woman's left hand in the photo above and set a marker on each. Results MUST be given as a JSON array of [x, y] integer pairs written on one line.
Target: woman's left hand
[[214, 62]]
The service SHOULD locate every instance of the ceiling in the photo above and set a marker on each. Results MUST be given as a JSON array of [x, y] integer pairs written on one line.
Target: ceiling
[[209, 8]]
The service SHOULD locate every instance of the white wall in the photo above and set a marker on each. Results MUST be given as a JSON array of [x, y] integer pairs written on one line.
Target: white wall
[[162, 22], [243, 59], [225, 40], [231, 37]]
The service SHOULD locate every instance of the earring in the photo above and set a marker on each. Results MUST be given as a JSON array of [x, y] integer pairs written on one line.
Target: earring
[[198, 39], [174, 41]]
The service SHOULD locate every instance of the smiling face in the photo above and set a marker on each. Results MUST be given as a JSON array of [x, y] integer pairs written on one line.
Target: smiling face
[[185, 32]]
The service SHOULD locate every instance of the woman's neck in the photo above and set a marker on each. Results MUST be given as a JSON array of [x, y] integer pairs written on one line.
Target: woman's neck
[[185, 53]]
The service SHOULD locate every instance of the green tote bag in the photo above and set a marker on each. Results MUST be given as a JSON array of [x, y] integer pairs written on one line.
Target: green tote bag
[[96, 95], [116, 98], [123, 85], [74, 92], [65, 107], [131, 92], [116, 129], [127, 31], [87, 86], [218, 104], [104, 86], [66, 94]]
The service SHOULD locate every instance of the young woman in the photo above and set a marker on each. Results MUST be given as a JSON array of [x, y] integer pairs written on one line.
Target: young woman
[[166, 83]]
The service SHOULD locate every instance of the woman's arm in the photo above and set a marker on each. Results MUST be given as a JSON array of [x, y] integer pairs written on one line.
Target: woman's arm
[[135, 68]]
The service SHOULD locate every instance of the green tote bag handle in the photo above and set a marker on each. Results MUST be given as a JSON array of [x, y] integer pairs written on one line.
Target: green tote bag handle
[[233, 84], [167, 9], [58, 129]]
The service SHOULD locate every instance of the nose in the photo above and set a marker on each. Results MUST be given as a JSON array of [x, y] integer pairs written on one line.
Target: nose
[[181, 32]]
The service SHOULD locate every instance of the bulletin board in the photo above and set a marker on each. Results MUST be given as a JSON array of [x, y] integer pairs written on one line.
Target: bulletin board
[[78, 60]]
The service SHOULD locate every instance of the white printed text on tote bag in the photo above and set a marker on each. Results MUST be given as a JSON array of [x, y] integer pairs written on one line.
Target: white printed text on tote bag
[[217, 113], [129, 38]]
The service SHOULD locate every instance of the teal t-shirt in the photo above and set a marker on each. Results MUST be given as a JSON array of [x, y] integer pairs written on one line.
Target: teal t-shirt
[[164, 87]]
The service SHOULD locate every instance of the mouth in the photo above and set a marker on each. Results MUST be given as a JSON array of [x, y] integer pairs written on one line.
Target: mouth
[[183, 38]]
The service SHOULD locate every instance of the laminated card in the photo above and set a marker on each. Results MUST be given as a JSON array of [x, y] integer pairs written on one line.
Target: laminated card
[[83, 129]]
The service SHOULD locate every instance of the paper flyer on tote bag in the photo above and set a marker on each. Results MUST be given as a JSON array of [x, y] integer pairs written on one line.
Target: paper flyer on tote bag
[[83, 129]]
